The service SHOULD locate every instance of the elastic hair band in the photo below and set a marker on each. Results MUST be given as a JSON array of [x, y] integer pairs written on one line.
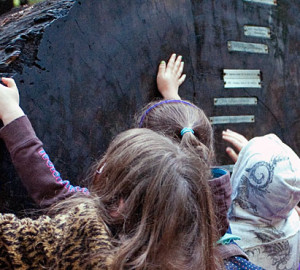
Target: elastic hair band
[[163, 102], [185, 130]]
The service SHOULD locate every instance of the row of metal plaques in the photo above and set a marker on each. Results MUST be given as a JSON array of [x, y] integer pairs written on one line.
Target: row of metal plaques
[[243, 78]]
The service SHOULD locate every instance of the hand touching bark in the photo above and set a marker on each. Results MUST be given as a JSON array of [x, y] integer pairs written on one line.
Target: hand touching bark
[[170, 77], [237, 140]]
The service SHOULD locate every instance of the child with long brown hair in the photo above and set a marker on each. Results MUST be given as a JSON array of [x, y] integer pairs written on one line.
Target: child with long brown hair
[[178, 119], [149, 205], [187, 124]]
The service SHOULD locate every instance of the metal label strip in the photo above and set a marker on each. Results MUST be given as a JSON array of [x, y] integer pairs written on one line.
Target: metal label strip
[[257, 31], [237, 46], [267, 2], [241, 73], [217, 120], [239, 101], [242, 83]]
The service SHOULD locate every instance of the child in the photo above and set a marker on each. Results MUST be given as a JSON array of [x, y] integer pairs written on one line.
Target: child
[[187, 115], [171, 116], [149, 207], [266, 189], [32, 162]]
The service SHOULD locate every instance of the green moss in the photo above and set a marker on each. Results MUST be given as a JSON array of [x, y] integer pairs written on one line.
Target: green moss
[[17, 3]]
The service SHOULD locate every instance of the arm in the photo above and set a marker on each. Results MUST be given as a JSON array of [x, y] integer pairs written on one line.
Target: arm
[[170, 77], [38, 174], [237, 140]]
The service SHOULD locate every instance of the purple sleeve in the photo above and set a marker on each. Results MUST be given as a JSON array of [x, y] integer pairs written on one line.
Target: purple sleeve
[[38, 174], [221, 191]]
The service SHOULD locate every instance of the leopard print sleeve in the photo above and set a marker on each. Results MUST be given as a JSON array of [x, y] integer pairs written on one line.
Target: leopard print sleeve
[[69, 241]]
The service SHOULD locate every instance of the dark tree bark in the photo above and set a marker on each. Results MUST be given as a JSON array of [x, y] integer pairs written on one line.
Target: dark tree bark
[[6, 6], [84, 68]]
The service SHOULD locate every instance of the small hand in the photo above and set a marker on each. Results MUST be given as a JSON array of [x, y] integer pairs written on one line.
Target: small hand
[[237, 140], [170, 77], [9, 101]]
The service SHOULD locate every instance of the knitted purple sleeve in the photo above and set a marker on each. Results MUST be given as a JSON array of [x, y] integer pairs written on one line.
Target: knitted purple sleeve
[[38, 174]]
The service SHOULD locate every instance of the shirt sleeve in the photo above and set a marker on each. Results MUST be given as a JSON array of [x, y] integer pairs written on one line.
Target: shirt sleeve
[[38, 174]]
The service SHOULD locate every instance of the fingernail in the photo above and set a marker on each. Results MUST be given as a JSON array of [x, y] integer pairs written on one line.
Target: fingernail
[[162, 62]]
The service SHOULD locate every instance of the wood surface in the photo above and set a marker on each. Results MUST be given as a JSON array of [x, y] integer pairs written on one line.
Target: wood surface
[[84, 68]]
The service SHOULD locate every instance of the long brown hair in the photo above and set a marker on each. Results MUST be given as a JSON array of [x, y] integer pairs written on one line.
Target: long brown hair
[[171, 116], [167, 219]]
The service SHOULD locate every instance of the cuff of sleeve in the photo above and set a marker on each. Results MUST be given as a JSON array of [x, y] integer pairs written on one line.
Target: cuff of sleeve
[[17, 132]]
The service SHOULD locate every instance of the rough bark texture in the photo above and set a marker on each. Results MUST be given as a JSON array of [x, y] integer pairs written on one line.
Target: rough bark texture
[[84, 68]]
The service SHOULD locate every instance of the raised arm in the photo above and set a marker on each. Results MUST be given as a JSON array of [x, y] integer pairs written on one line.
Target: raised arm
[[170, 77], [38, 174]]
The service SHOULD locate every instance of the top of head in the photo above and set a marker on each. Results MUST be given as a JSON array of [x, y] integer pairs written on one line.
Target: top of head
[[171, 116]]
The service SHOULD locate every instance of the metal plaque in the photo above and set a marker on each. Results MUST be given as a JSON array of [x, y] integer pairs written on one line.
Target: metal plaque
[[243, 101], [257, 31], [241, 74], [237, 46], [217, 120], [242, 83], [267, 2]]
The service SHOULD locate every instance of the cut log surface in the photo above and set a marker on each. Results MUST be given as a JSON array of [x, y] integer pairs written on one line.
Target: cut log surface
[[84, 68]]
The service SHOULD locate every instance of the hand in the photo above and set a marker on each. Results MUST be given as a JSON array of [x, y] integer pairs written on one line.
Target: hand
[[237, 140], [9, 101], [170, 77]]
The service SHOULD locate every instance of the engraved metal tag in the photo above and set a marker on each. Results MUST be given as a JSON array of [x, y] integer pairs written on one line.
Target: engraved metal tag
[[243, 101], [257, 31], [241, 78], [237, 46], [242, 83], [241, 74], [216, 120], [268, 2]]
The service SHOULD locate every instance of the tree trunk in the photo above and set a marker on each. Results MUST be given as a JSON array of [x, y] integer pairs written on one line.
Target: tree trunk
[[85, 68]]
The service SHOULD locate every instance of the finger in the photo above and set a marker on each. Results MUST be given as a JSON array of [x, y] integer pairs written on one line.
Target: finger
[[232, 154], [171, 61], [161, 68], [236, 135], [177, 64], [180, 69], [181, 79], [9, 82], [235, 142]]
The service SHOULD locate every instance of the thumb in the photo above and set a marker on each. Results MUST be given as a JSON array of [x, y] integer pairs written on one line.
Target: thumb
[[9, 82]]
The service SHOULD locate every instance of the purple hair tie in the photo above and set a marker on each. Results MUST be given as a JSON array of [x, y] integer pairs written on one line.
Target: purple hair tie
[[163, 102]]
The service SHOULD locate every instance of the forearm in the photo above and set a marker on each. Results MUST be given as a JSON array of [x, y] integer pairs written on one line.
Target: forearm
[[38, 174]]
